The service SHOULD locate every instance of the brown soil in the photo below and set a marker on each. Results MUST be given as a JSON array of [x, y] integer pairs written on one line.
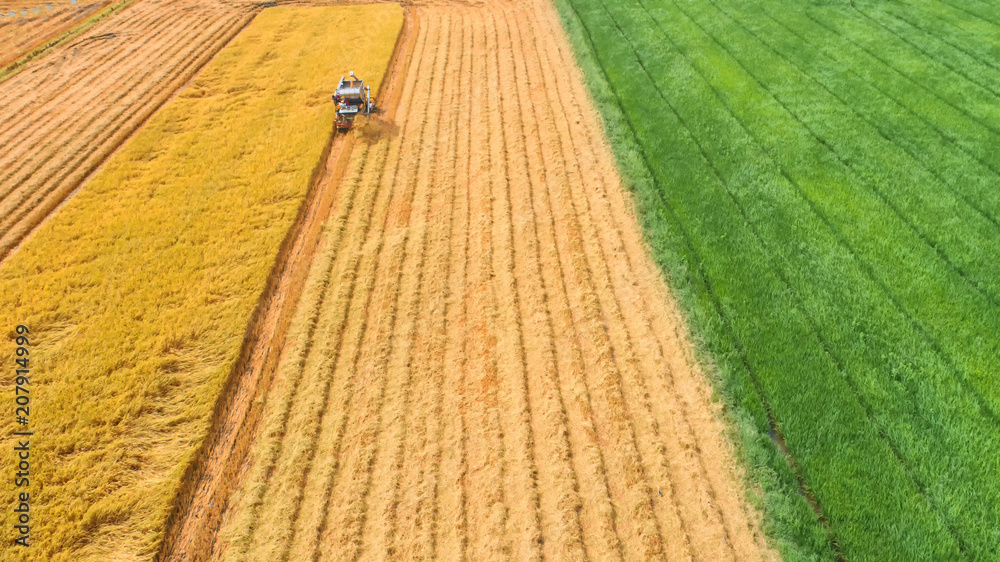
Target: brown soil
[[484, 361], [67, 112]]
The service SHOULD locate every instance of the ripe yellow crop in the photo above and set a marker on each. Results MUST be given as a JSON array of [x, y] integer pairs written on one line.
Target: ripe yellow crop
[[138, 291]]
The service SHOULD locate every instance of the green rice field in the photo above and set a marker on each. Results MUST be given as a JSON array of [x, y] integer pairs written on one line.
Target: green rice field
[[820, 181]]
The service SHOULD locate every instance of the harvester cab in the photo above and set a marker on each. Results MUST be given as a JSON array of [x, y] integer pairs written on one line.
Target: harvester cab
[[351, 98]]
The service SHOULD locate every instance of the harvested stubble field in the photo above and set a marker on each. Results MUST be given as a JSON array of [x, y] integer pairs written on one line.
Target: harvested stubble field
[[484, 362], [820, 180], [23, 32], [66, 113], [140, 291]]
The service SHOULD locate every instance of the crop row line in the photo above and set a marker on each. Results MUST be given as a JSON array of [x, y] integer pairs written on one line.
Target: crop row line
[[404, 304], [453, 291], [512, 287], [988, 62], [981, 400], [572, 539], [874, 123], [985, 124], [948, 360], [905, 219], [922, 487], [843, 240], [559, 483], [390, 310], [610, 545], [490, 526], [413, 526], [646, 326], [318, 401], [702, 273], [18, 42], [558, 234], [454, 462], [29, 187], [629, 362], [573, 216], [966, 11], [38, 122], [955, 70], [147, 24], [634, 387]]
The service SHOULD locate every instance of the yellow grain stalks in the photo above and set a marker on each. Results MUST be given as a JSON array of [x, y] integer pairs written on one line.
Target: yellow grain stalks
[[138, 292]]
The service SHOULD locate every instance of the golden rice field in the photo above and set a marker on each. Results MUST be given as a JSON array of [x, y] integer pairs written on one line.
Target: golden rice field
[[139, 290]]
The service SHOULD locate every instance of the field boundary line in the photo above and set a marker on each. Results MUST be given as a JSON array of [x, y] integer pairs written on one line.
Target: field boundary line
[[28, 209], [38, 119], [702, 274], [277, 302], [68, 33], [614, 215], [51, 205]]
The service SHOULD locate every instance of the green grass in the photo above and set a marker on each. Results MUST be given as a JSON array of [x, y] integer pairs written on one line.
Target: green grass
[[819, 181]]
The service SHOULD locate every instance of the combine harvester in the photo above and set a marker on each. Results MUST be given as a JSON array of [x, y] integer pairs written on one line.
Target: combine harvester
[[352, 97]]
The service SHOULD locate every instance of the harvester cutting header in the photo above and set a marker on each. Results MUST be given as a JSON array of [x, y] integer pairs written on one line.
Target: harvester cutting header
[[352, 97]]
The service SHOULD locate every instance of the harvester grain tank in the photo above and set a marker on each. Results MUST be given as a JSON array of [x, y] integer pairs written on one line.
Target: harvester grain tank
[[351, 98]]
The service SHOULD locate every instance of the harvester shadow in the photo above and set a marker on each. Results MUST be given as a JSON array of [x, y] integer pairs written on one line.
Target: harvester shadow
[[374, 129]]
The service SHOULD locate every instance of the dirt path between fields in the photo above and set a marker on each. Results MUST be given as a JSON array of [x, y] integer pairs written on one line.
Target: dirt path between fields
[[484, 361], [193, 526]]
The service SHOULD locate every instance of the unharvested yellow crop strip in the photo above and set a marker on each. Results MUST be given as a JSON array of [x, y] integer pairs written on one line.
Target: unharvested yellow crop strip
[[139, 290]]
